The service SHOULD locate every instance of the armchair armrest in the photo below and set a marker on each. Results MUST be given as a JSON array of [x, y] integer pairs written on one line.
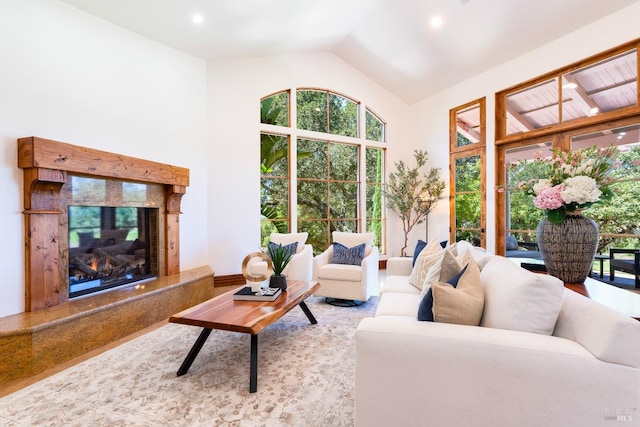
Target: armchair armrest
[[631, 266], [320, 260], [300, 267], [614, 251], [370, 269]]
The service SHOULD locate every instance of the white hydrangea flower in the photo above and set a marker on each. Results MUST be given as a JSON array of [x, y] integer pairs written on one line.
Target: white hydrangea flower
[[541, 185], [580, 190]]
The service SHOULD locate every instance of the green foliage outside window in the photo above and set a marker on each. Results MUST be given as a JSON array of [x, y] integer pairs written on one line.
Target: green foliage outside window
[[374, 127], [467, 199], [274, 110], [327, 190], [322, 111], [374, 173], [621, 215]]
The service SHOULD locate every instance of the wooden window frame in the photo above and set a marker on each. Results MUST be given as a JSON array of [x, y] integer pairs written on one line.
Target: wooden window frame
[[455, 152]]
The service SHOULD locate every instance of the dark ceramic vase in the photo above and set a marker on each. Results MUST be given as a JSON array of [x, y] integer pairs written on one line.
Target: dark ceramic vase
[[568, 248], [278, 282]]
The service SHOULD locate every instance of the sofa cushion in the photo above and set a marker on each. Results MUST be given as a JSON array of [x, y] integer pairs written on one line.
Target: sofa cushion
[[427, 258], [345, 255], [419, 247], [398, 284], [288, 238], [518, 299], [425, 310], [398, 304], [341, 272], [461, 304]]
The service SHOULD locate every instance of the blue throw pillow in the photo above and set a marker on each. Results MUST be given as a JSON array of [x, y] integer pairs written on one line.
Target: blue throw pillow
[[419, 247], [291, 247], [425, 311], [350, 256]]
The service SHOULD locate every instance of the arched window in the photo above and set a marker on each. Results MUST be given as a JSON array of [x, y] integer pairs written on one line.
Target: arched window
[[312, 173]]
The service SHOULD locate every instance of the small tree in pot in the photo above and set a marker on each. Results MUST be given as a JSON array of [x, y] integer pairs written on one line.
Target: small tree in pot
[[411, 194], [280, 257]]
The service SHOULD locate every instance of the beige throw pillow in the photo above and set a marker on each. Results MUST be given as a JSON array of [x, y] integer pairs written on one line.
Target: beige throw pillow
[[443, 269], [463, 304], [427, 258]]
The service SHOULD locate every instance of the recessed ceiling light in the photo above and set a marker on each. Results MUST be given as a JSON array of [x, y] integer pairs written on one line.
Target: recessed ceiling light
[[436, 21], [594, 111], [197, 18], [571, 85]]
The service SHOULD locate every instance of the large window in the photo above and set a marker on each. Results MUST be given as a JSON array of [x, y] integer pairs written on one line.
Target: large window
[[467, 158], [327, 190], [591, 103], [316, 184]]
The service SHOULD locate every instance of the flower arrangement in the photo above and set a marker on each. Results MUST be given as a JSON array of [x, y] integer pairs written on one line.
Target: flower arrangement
[[572, 180]]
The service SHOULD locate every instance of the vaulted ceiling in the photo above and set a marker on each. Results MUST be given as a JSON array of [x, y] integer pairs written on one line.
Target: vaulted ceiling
[[391, 41]]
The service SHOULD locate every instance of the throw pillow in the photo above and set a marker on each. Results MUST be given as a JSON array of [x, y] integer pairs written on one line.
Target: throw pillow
[[511, 243], [291, 247], [519, 300], [350, 256], [479, 254], [287, 238], [448, 263], [419, 247], [461, 304], [425, 310], [427, 258], [350, 240]]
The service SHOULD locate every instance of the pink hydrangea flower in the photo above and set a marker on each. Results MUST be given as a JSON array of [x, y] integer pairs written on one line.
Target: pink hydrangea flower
[[549, 198]]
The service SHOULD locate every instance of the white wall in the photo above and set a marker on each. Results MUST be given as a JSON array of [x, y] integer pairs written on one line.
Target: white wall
[[430, 116], [68, 76], [235, 89]]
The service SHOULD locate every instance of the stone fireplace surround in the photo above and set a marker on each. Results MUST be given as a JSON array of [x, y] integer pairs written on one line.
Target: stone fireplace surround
[[53, 329]]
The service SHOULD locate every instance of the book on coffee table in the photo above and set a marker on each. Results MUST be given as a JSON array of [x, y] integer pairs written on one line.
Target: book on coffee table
[[264, 294]]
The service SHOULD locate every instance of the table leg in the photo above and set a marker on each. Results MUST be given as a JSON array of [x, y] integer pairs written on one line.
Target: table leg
[[601, 268], [253, 366], [306, 310], [194, 351]]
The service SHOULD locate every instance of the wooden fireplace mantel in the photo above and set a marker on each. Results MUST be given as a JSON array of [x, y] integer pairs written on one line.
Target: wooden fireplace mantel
[[46, 165]]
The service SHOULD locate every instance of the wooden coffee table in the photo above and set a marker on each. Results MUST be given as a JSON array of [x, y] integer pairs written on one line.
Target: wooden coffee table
[[250, 317]]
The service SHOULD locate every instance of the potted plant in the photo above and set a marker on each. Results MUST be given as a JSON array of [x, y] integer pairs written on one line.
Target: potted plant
[[280, 257], [412, 194]]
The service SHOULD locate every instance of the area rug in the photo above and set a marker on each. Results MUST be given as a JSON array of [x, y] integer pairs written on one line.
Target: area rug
[[306, 377]]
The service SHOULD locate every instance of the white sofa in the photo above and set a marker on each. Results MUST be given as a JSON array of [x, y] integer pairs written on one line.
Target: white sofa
[[416, 373]]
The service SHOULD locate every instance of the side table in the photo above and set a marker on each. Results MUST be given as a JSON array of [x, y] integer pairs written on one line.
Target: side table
[[600, 258]]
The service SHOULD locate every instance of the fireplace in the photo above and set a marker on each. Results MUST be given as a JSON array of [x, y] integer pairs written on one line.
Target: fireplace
[[110, 246], [87, 210]]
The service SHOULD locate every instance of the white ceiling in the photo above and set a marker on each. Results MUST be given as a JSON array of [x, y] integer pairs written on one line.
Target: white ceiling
[[389, 40]]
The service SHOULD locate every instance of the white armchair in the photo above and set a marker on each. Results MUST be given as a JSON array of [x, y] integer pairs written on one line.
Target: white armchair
[[344, 281], [300, 266]]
